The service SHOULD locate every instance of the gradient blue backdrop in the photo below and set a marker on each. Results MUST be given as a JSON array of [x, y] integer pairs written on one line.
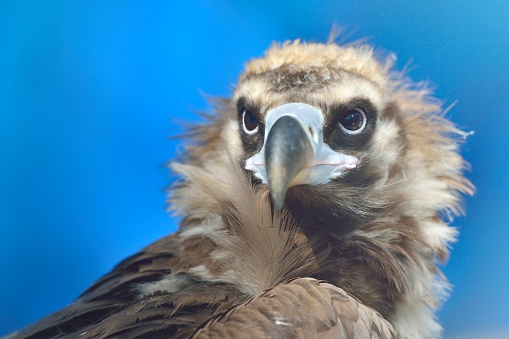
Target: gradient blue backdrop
[[90, 91]]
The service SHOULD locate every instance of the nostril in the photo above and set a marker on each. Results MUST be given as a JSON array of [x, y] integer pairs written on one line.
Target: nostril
[[313, 133]]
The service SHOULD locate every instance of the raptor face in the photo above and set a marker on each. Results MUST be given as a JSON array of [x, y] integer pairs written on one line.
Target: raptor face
[[294, 150], [323, 126]]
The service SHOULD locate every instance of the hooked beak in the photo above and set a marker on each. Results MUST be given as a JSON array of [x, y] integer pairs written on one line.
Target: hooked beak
[[294, 152], [287, 151]]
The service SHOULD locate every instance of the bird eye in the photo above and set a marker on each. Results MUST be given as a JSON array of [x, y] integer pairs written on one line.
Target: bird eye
[[249, 122], [352, 121]]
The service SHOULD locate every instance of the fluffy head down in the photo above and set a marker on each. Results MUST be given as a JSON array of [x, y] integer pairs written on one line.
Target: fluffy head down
[[377, 231]]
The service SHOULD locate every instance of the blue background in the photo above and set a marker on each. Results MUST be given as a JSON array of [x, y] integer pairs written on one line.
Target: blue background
[[90, 91]]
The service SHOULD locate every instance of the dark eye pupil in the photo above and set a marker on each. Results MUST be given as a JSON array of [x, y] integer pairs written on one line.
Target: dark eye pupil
[[250, 121], [352, 120]]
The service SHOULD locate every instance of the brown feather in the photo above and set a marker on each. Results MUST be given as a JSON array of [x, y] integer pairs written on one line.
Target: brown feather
[[302, 308]]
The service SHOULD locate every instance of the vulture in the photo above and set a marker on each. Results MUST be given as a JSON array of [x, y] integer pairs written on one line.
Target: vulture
[[314, 203]]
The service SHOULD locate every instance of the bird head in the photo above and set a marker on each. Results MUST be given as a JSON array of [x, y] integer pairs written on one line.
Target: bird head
[[336, 124], [305, 118]]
